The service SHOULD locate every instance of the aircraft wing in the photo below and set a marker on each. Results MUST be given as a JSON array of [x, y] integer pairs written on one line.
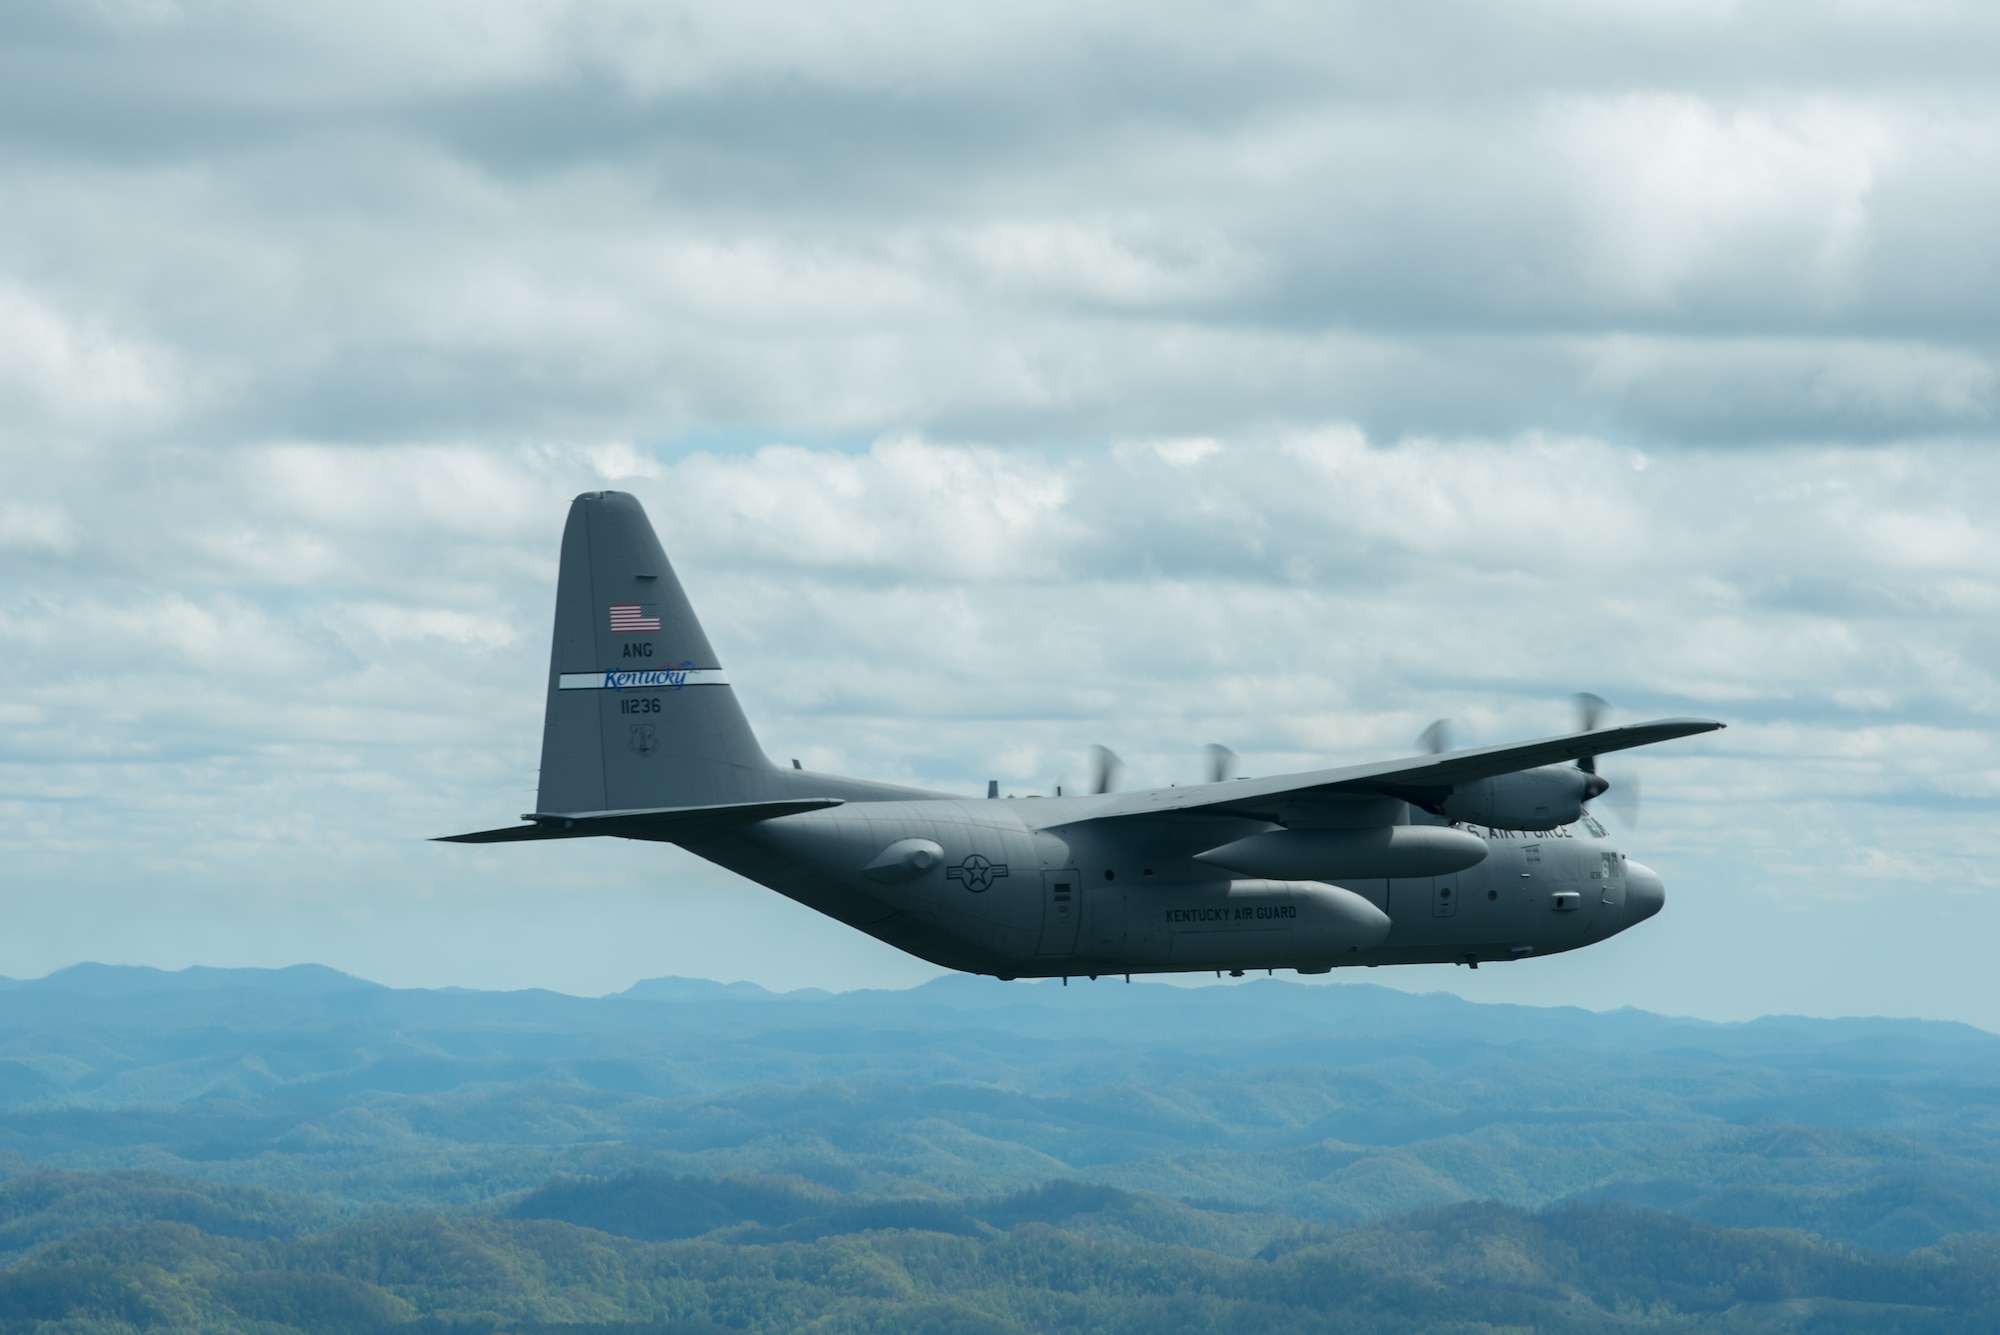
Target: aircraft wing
[[661, 824], [1420, 778]]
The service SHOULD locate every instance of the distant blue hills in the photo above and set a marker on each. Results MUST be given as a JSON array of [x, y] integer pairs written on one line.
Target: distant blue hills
[[1312, 1102], [1274, 1006]]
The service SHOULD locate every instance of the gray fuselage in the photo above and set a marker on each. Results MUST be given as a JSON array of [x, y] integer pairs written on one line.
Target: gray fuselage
[[1041, 887]]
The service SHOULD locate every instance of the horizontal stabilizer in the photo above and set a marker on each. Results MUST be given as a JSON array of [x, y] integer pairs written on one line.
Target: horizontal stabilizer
[[668, 825]]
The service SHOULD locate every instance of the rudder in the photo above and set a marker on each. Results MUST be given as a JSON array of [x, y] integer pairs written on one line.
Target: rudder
[[639, 712]]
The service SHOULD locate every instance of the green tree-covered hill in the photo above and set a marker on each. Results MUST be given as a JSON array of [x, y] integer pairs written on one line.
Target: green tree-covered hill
[[295, 1150], [1471, 1267], [1330, 1103]]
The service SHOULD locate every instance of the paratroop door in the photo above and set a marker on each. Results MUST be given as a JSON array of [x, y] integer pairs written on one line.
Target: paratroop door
[[1062, 906]]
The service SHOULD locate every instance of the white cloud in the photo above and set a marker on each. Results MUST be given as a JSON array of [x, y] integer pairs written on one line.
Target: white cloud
[[391, 625], [1066, 260], [1678, 193], [1002, 382], [526, 220], [72, 373], [619, 460], [36, 528], [453, 490], [904, 506]]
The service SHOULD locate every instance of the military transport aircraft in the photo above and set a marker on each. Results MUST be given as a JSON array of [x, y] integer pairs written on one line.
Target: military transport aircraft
[[1450, 857]]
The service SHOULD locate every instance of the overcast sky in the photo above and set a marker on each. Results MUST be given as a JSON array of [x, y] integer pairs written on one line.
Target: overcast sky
[[1002, 380]]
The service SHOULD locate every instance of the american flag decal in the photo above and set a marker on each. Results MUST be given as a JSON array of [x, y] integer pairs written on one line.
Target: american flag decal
[[631, 618]]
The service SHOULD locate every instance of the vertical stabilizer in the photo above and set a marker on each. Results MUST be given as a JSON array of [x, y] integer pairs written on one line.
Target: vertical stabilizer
[[639, 712]]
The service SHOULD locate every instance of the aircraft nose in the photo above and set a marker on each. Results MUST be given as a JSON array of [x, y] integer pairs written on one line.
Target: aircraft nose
[[1645, 892]]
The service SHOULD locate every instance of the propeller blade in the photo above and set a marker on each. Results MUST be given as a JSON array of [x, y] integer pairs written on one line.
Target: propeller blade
[[1590, 710], [1436, 739], [1221, 762], [1104, 764], [1622, 799]]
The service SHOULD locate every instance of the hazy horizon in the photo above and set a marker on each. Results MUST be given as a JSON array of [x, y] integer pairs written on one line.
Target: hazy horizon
[[1000, 383], [1384, 979]]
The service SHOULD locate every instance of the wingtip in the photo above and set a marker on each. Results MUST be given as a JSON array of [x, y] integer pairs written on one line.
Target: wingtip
[[1686, 726]]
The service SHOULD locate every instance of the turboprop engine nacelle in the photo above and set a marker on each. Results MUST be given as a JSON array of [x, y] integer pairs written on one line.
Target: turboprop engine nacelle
[[1536, 799]]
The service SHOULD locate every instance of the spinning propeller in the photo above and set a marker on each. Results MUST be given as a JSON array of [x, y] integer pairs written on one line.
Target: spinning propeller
[[1221, 762], [1622, 796], [1104, 767]]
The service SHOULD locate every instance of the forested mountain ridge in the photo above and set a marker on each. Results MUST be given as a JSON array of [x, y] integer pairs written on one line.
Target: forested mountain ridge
[[37, 1208], [1464, 1267], [296, 1150], [1340, 1102]]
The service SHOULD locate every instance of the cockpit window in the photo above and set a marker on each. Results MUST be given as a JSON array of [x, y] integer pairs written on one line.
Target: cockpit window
[[1596, 830]]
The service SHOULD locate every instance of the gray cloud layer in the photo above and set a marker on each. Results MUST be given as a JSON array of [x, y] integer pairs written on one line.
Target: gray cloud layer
[[1004, 382], [1751, 223]]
